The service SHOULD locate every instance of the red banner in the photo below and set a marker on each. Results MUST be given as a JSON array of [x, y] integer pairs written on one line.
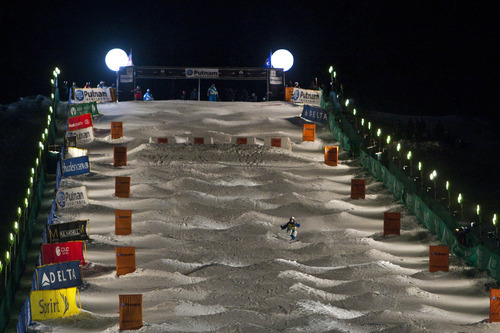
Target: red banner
[[80, 122], [61, 252]]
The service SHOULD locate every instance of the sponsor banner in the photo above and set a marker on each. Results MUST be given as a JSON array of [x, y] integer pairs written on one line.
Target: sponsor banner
[[119, 156], [80, 122], [61, 252], [275, 77], [58, 276], [72, 197], [75, 166], [202, 73], [116, 129], [494, 305], [52, 304], [82, 136], [68, 231], [306, 96], [314, 114], [130, 311], [308, 132], [122, 187], [72, 152], [439, 258], [83, 108], [87, 95], [123, 221]]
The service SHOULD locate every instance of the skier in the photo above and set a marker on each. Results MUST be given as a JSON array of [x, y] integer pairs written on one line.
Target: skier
[[138, 94], [212, 93], [291, 228], [148, 96]]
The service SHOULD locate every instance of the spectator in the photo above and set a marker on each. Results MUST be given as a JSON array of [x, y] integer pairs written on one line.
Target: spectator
[[194, 95], [253, 98], [138, 94], [87, 85], [148, 96], [101, 85], [184, 96], [212, 93]]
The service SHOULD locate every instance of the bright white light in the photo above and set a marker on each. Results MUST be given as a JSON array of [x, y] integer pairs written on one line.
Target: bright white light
[[115, 59], [282, 59]]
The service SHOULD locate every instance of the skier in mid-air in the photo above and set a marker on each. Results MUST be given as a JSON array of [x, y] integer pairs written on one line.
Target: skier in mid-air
[[291, 228]]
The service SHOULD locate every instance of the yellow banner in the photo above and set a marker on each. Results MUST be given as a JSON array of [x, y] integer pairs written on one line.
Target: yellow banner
[[51, 304]]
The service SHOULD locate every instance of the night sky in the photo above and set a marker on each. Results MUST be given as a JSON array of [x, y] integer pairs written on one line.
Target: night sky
[[413, 57]]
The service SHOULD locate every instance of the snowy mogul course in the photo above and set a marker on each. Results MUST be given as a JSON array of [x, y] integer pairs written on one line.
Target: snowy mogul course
[[211, 255]]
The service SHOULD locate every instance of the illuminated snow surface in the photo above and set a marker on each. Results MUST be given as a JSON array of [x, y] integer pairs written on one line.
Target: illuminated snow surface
[[210, 253]]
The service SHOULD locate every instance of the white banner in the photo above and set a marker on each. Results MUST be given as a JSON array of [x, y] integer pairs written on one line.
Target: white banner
[[202, 73], [72, 197], [306, 96], [84, 135], [87, 95]]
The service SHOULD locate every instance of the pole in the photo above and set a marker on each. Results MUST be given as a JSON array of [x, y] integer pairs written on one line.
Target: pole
[[199, 84], [117, 85]]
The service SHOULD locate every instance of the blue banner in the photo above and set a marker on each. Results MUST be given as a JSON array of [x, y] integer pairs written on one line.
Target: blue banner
[[314, 114], [59, 276], [76, 166]]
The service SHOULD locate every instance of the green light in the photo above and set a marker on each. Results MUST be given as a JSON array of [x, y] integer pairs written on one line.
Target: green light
[[379, 132], [433, 175], [46, 132], [408, 156], [369, 125], [419, 166], [334, 74], [398, 147], [460, 198], [347, 102], [11, 237], [1, 266], [478, 210], [26, 202], [37, 161], [494, 219], [31, 180], [362, 121], [19, 211], [16, 226], [7, 256], [447, 185], [32, 171], [52, 96], [52, 81], [330, 70], [57, 71], [51, 109], [28, 192], [354, 111], [388, 139], [40, 144]]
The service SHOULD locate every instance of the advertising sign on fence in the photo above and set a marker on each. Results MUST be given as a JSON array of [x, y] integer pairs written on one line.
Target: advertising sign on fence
[[79, 122], [123, 221], [72, 197], [75, 166], [83, 108], [58, 276], [85, 135], [52, 304], [315, 114], [125, 260], [439, 258], [119, 156], [130, 311], [61, 252], [68, 231], [306, 96], [87, 95]]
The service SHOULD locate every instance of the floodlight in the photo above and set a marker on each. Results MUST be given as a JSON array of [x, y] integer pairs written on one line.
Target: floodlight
[[282, 59], [115, 59]]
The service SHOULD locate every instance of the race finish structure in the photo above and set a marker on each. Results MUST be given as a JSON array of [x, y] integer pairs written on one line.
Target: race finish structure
[[273, 77]]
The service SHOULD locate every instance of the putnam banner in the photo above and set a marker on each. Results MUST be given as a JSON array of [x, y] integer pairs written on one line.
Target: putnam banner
[[52, 304], [68, 231], [79, 122], [72, 197], [83, 108], [61, 252], [75, 166], [125, 260], [87, 95], [306, 96], [58, 276], [202, 73], [314, 114], [84, 135]]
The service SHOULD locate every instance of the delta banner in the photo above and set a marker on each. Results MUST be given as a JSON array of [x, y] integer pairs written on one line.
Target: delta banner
[[439, 258], [130, 311], [68, 231], [83, 136], [123, 222], [72, 197], [314, 114], [52, 304], [75, 166], [99, 95], [58, 276], [125, 260], [494, 305], [79, 122], [307, 96], [61, 252], [83, 108]]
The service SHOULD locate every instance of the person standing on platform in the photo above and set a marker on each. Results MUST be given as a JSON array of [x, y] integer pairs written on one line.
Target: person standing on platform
[[212, 93]]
